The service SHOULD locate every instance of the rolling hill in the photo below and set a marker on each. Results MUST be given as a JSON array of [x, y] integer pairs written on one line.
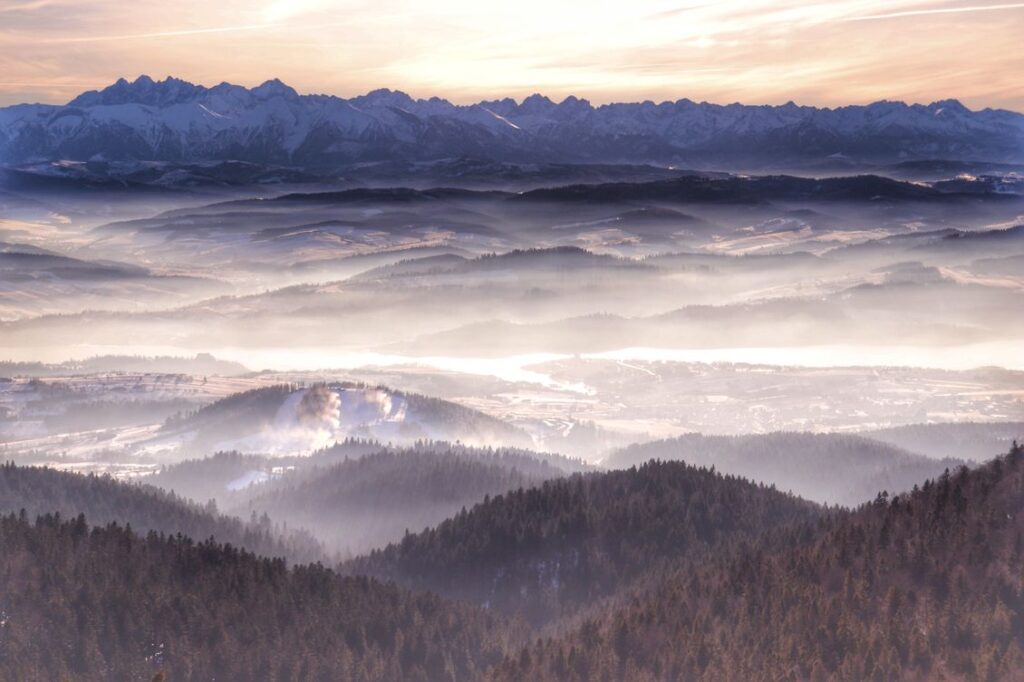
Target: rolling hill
[[289, 420], [924, 586], [103, 500], [122, 606], [361, 504], [826, 468], [546, 552]]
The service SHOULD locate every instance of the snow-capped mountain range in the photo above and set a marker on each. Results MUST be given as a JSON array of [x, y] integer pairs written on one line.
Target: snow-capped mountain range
[[176, 121]]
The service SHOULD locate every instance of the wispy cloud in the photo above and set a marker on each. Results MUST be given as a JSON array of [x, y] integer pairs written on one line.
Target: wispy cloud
[[243, 28], [937, 10], [166, 34], [27, 6], [824, 52]]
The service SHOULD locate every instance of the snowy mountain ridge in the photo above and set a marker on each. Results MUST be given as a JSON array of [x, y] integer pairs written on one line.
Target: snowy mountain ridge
[[173, 120]]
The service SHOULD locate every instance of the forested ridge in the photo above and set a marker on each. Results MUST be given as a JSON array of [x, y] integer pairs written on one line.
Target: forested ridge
[[829, 468], [660, 572], [103, 500], [362, 503], [357, 495], [106, 604], [924, 586], [216, 477], [977, 441], [545, 552]]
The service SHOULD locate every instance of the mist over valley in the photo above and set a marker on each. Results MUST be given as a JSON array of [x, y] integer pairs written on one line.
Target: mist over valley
[[301, 386]]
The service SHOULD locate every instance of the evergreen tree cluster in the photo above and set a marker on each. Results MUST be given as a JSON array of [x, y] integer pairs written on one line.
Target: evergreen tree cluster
[[359, 504], [103, 500], [545, 552], [924, 586], [106, 604], [663, 571]]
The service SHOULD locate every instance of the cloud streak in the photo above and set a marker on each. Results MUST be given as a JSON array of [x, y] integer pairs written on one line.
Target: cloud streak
[[938, 10], [25, 6], [758, 51], [195, 32], [164, 34]]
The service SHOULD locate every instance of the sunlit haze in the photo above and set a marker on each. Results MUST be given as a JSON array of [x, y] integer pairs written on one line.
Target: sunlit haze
[[762, 51], [671, 340]]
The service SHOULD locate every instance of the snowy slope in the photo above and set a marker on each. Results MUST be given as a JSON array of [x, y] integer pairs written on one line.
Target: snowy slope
[[282, 420], [173, 120]]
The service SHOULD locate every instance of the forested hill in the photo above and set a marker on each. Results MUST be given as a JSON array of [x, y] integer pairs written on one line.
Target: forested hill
[[106, 604], [739, 582], [228, 477], [224, 475], [977, 441], [546, 552], [360, 504], [104, 500], [925, 586], [829, 468]]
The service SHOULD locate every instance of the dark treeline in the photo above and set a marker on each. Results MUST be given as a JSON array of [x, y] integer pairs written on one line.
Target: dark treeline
[[230, 477], [234, 414], [106, 604], [105, 500], [546, 552], [529, 461], [662, 572], [221, 476], [924, 586]]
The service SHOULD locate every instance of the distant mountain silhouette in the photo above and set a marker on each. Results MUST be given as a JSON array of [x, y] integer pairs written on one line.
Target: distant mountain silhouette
[[173, 120]]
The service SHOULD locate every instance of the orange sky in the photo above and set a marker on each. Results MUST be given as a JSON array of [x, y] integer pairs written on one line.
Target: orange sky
[[758, 51]]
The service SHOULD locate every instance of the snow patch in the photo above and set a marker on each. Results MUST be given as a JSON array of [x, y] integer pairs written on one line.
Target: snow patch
[[502, 119], [248, 479]]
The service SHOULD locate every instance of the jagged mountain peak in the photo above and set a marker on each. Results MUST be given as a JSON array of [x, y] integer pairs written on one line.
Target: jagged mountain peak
[[536, 103], [274, 88], [143, 90], [386, 97], [181, 121], [949, 105]]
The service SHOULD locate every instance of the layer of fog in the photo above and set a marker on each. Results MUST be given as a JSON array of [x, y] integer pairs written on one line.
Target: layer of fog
[[587, 316]]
